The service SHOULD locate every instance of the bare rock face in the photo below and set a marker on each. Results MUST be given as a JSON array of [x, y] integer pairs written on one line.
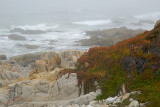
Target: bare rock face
[[65, 88], [41, 90], [45, 83], [7, 76], [52, 60], [69, 58], [40, 66]]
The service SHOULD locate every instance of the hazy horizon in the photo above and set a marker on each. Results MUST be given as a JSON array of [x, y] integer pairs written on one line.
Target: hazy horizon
[[64, 22], [15, 12]]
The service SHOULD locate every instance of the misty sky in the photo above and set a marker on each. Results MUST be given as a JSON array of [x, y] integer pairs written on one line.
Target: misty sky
[[46, 6], [16, 10]]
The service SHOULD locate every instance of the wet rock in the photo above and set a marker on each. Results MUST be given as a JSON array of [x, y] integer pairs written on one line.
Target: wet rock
[[27, 31], [50, 48], [51, 42], [28, 46], [16, 37], [3, 57]]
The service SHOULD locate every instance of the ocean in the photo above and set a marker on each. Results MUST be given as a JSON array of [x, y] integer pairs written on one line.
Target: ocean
[[59, 33]]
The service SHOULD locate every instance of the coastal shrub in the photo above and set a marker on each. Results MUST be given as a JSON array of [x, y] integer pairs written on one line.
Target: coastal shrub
[[133, 62], [112, 84]]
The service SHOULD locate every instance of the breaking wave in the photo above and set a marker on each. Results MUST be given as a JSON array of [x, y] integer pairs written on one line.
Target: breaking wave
[[94, 22], [42, 27]]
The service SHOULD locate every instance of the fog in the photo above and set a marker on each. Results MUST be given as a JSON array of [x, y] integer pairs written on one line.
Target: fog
[[36, 11], [44, 6], [66, 21]]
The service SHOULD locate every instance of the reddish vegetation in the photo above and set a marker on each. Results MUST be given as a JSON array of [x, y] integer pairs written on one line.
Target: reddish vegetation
[[137, 47], [135, 62]]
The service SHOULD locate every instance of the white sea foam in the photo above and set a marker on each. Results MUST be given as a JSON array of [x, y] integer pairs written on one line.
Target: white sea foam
[[93, 22], [42, 27], [152, 16]]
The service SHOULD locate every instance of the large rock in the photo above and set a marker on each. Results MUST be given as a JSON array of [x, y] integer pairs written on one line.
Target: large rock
[[81, 101], [40, 66], [27, 31], [69, 58], [65, 88], [125, 96], [16, 37], [26, 59], [108, 37], [52, 60], [110, 100], [29, 90], [46, 88], [134, 104]]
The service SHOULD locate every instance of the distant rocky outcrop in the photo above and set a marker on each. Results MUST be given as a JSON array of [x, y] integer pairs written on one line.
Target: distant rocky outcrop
[[16, 37], [108, 37], [27, 31], [28, 46]]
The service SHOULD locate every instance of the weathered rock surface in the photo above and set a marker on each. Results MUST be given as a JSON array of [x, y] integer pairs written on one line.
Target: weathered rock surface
[[7, 76], [40, 66], [43, 90], [52, 60], [45, 86], [26, 59], [69, 58], [65, 88], [77, 102]]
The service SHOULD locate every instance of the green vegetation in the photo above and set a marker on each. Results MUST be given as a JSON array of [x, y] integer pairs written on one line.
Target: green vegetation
[[134, 62]]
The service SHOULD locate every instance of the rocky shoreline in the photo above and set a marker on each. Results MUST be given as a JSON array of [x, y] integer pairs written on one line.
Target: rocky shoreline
[[40, 80], [36, 80], [108, 37]]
